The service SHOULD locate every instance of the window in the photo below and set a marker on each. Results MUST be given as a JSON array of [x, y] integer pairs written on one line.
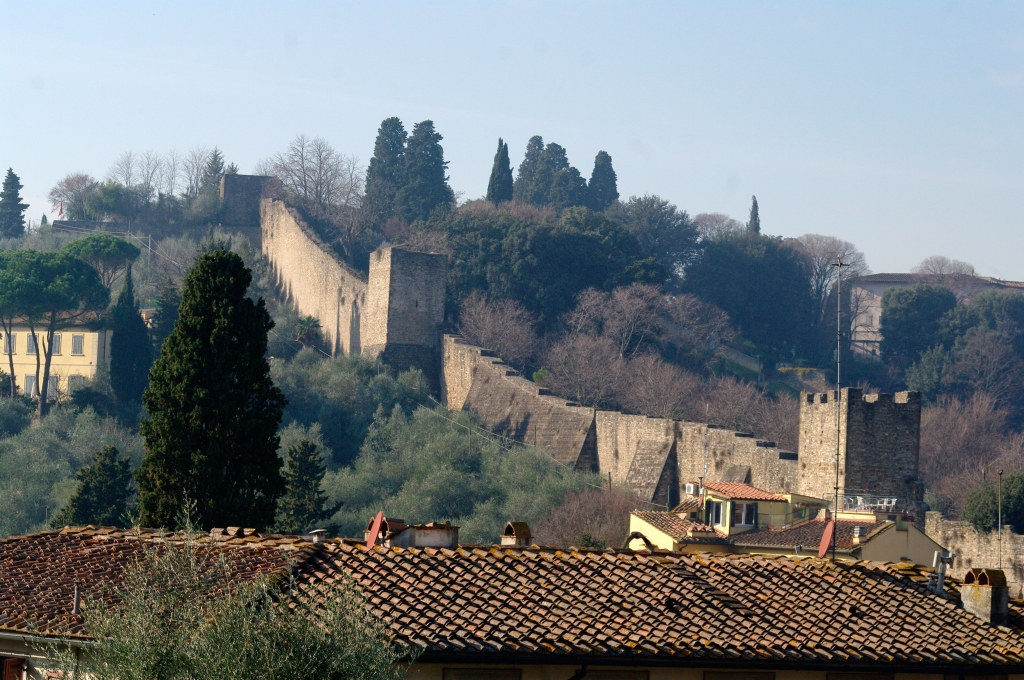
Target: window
[[738, 675], [744, 514], [56, 343], [75, 381], [482, 674], [10, 340], [77, 344], [30, 386], [32, 348], [51, 387], [715, 513]]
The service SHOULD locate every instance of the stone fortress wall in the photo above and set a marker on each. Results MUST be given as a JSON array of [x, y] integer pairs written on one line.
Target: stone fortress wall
[[395, 313], [973, 548]]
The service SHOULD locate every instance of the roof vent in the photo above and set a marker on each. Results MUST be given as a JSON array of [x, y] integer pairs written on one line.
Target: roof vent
[[516, 535], [316, 536], [984, 594]]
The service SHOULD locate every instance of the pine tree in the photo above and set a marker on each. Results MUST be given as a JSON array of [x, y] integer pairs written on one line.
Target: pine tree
[[499, 187], [43, 222], [384, 175], [754, 225], [304, 503], [528, 169], [130, 348], [211, 435], [167, 304], [102, 494], [12, 210], [602, 190], [426, 182], [213, 170]]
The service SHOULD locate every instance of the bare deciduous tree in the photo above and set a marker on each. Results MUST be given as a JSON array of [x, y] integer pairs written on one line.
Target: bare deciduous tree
[[125, 169], [193, 166], [150, 165], [713, 226], [595, 518], [655, 388], [695, 328], [821, 253], [586, 369], [71, 193], [956, 275], [170, 173], [633, 319], [503, 326], [987, 363]]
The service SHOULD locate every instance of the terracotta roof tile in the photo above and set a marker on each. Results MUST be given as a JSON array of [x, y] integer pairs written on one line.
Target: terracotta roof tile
[[808, 534], [479, 602], [742, 492]]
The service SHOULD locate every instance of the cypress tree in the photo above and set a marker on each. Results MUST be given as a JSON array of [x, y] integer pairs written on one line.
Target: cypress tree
[[12, 210], [130, 348], [167, 304], [754, 225], [568, 189], [102, 494], [304, 503], [426, 182], [211, 435], [499, 187], [384, 175], [602, 190], [528, 169]]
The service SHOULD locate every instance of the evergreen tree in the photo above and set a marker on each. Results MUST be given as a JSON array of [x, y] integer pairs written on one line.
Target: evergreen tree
[[499, 187], [528, 169], [304, 504], [602, 190], [426, 184], [167, 304], [12, 210], [211, 435], [384, 175], [568, 189], [102, 494], [213, 170], [130, 348], [754, 225], [43, 222], [552, 161]]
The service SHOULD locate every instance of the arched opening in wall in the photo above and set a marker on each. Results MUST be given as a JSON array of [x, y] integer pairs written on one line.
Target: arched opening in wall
[[354, 345]]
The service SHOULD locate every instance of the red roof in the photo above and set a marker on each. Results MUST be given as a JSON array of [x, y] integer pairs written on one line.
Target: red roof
[[741, 492], [807, 534], [679, 526]]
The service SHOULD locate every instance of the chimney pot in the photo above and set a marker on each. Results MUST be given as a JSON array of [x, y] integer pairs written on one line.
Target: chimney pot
[[516, 535], [984, 593], [317, 536], [76, 605]]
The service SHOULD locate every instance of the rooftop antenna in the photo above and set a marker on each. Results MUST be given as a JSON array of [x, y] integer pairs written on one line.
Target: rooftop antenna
[[1000, 503], [838, 264]]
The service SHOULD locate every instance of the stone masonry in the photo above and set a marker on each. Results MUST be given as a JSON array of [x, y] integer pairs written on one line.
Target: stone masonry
[[972, 548]]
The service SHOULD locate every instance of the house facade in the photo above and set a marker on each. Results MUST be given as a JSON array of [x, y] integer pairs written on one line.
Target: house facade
[[78, 353], [535, 613]]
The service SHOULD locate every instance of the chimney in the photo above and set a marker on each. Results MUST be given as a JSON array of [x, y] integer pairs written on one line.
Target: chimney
[[316, 536], [516, 535], [76, 605], [398, 534], [859, 534], [984, 594]]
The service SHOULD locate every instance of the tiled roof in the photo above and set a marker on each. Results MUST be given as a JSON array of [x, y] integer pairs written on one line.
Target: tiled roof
[[807, 534], [679, 526], [741, 492], [38, 572], [491, 604]]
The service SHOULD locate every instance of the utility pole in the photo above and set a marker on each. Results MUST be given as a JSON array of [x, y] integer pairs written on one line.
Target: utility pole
[[1000, 503], [838, 264]]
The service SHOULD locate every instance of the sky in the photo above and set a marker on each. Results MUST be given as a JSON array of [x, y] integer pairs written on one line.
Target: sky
[[898, 126]]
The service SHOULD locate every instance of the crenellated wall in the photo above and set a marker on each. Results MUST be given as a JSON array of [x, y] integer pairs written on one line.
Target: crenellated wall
[[313, 278], [978, 549]]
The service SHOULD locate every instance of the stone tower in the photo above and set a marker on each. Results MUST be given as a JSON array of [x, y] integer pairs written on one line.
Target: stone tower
[[879, 442], [405, 309]]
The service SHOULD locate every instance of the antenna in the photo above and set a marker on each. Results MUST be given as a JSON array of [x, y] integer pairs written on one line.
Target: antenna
[[838, 264]]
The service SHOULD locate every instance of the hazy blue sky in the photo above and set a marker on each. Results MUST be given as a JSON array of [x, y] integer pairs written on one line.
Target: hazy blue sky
[[898, 126]]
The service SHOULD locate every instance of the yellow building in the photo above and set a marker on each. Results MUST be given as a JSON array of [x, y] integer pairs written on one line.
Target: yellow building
[[78, 352], [739, 518]]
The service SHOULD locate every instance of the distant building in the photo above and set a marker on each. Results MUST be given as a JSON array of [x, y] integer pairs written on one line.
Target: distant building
[[739, 518], [866, 301], [78, 352]]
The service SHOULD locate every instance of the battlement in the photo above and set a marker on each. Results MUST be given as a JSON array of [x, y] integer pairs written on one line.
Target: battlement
[[853, 394]]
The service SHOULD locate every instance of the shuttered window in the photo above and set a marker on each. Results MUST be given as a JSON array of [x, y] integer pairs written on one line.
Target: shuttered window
[[77, 344], [32, 348], [10, 341], [56, 343]]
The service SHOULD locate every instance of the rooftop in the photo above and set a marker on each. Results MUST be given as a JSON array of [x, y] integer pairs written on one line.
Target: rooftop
[[741, 492], [492, 604]]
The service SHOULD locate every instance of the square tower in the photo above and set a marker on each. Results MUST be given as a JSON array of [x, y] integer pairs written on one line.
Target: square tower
[[879, 444]]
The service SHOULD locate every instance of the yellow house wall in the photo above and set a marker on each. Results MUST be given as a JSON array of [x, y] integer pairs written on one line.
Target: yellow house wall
[[95, 354], [656, 536]]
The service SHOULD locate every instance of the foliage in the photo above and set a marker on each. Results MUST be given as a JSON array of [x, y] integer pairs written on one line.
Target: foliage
[[911, 319], [982, 506], [211, 434], [225, 628], [662, 230], [425, 186], [385, 173], [754, 223], [602, 191], [593, 518], [499, 186], [304, 503], [523, 188], [426, 468], [107, 253], [12, 210], [101, 498], [38, 462], [167, 304], [130, 347], [307, 328], [762, 285], [342, 394], [506, 254]]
